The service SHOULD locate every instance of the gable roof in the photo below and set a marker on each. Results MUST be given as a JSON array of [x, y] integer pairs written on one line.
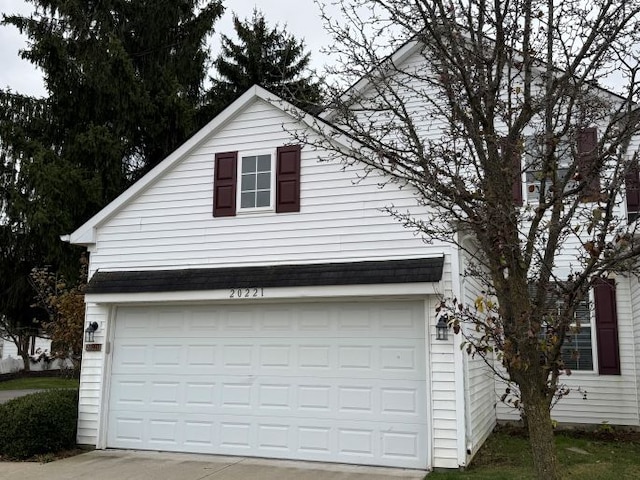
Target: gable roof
[[86, 234], [393, 60]]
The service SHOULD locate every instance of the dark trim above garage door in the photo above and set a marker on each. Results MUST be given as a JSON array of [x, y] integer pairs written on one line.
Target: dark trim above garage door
[[324, 274]]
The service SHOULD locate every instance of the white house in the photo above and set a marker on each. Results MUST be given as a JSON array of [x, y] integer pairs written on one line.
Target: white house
[[251, 300], [38, 345]]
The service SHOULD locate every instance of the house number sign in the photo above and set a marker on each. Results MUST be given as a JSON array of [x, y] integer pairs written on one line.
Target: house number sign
[[254, 292]]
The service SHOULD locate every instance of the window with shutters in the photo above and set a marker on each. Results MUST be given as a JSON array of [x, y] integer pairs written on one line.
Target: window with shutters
[[540, 182], [577, 350], [261, 181], [256, 182], [594, 332], [582, 152]]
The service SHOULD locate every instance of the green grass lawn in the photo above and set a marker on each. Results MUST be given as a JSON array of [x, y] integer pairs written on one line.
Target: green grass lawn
[[44, 383], [507, 457]]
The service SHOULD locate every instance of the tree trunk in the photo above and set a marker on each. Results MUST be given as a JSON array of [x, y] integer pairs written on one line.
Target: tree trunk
[[541, 438], [23, 351]]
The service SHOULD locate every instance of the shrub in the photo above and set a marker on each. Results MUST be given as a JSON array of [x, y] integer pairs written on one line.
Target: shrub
[[43, 422]]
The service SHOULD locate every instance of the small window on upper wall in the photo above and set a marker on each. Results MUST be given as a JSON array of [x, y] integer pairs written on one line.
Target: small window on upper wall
[[261, 181], [256, 185]]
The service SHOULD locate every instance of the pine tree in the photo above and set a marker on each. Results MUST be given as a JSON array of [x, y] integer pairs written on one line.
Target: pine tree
[[266, 56], [124, 81]]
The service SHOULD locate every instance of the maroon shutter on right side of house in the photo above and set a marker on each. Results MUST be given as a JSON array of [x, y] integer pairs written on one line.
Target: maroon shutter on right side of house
[[516, 187], [516, 159], [224, 184], [607, 326], [632, 187], [288, 179], [587, 146]]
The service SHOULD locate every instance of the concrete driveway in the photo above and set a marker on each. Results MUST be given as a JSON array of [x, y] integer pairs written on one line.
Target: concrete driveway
[[133, 465]]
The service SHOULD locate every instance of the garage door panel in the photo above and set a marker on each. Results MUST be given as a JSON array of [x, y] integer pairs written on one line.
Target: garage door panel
[[336, 319], [310, 439], [302, 397], [325, 357], [338, 382]]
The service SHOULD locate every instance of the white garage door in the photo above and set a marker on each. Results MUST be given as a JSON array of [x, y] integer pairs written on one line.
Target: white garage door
[[337, 382]]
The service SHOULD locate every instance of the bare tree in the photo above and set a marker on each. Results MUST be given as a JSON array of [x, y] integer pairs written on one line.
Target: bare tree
[[478, 97]]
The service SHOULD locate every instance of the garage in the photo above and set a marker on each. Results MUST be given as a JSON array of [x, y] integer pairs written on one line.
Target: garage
[[328, 381]]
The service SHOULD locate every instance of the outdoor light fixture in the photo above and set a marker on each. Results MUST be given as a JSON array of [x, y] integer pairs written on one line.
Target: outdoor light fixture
[[89, 332], [442, 328]]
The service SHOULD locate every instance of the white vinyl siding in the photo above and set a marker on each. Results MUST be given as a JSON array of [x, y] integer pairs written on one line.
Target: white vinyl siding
[[444, 380], [170, 225], [480, 395], [634, 290], [92, 377]]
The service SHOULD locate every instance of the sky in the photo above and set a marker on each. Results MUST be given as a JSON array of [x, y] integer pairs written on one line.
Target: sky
[[302, 18]]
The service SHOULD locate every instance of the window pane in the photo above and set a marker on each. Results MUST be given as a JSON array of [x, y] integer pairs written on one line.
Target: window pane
[[264, 181], [248, 164], [576, 351], [263, 199], [264, 163], [248, 182], [248, 200]]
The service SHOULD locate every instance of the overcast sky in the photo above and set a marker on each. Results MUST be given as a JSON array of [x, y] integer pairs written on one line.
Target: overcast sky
[[302, 18]]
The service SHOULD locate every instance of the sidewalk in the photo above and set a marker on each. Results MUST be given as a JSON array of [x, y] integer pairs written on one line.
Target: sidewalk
[[6, 395]]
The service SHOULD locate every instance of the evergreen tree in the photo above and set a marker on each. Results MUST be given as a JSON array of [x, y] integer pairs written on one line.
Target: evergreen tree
[[125, 83], [266, 56]]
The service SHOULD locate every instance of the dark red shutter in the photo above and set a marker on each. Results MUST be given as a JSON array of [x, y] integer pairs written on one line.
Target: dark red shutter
[[587, 145], [224, 184], [288, 179], [632, 184], [516, 184], [607, 326]]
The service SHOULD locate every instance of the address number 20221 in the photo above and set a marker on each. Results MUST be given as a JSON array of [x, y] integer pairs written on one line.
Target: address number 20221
[[254, 292]]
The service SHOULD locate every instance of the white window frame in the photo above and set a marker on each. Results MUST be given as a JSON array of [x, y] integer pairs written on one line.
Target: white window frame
[[272, 196], [533, 196], [594, 347]]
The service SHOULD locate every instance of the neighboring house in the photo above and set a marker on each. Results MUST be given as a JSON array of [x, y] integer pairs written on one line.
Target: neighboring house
[[38, 345], [252, 300], [11, 362]]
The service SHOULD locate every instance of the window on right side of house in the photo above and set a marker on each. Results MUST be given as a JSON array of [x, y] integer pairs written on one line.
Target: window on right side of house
[[632, 191], [594, 331], [577, 350], [582, 153], [540, 182]]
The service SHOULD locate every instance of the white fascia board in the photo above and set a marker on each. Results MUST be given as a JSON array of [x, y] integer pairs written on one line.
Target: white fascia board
[[276, 294], [86, 234]]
